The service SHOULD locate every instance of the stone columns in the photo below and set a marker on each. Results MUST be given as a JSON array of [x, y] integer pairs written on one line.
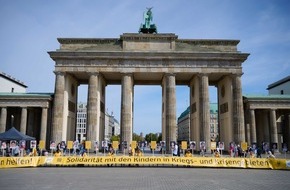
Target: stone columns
[[127, 108], [253, 127], [58, 107], [169, 108], [194, 113], [93, 108], [204, 111], [266, 134], [238, 110], [43, 127], [248, 134], [288, 132], [23, 122], [3, 119], [273, 127]]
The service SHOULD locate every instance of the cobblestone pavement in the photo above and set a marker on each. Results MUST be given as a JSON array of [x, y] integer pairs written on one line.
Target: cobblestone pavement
[[157, 178]]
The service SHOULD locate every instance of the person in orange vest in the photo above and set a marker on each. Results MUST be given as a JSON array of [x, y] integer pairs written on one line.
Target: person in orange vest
[[57, 153], [138, 152], [187, 153]]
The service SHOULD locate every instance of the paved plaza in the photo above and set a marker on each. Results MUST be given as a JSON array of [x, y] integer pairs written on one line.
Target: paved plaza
[[76, 178]]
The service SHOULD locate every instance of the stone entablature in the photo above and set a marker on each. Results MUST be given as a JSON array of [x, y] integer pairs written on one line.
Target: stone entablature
[[174, 56], [267, 102], [89, 44], [25, 100], [147, 43], [148, 57]]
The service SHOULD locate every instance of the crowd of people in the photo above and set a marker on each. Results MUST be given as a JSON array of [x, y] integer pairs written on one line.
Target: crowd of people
[[22, 148], [253, 151], [19, 148]]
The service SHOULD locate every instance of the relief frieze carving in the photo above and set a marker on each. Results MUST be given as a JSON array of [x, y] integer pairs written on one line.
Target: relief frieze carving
[[145, 63]]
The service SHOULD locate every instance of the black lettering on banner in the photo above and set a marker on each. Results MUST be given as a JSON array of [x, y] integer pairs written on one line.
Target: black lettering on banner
[[11, 162], [78, 160], [206, 162], [166, 159], [18, 161], [185, 161], [258, 163], [147, 160], [124, 160], [111, 159]]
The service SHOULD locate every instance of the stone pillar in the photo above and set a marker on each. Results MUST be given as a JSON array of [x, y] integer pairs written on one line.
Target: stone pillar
[[58, 107], [238, 110], [204, 111], [23, 122], [3, 119], [287, 135], [194, 105], [249, 134], [170, 109], [273, 128], [102, 115], [266, 134], [92, 108], [163, 116], [43, 127], [127, 108], [253, 127]]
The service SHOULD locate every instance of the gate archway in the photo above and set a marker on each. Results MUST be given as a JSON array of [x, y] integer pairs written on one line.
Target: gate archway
[[159, 59]]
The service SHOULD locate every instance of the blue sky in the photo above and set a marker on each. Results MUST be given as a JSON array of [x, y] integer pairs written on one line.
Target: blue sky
[[29, 29]]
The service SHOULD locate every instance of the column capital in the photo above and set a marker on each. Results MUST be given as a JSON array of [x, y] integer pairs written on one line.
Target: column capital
[[59, 73], [202, 74], [234, 75], [127, 74], [169, 74], [90, 73]]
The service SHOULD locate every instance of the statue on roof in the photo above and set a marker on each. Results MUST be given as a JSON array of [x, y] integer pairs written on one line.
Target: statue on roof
[[148, 26]]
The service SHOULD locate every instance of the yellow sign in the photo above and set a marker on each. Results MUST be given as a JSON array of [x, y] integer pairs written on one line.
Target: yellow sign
[[244, 146], [88, 144], [153, 145], [226, 162], [212, 145], [41, 144], [184, 145], [133, 144], [115, 145], [69, 144]]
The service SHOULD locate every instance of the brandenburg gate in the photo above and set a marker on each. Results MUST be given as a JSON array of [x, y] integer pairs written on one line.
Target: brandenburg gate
[[149, 59]]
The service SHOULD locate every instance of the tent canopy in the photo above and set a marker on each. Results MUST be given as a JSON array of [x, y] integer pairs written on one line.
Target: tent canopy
[[14, 134]]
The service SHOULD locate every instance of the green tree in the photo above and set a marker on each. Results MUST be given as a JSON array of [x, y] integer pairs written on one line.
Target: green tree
[[115, 138], [136, 137], [159, 138], [151, 137]]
